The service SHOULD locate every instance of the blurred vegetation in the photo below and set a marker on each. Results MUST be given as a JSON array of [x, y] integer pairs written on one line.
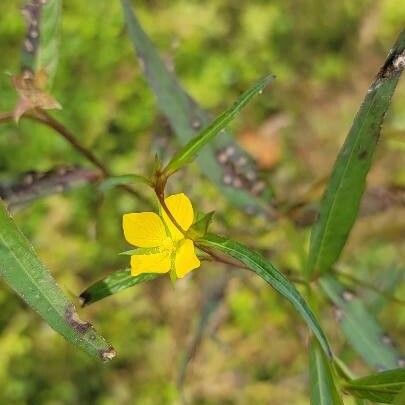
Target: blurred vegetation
[[324, 55]]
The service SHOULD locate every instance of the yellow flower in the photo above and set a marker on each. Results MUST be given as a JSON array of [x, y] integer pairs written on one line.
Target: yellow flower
[[163, 247]]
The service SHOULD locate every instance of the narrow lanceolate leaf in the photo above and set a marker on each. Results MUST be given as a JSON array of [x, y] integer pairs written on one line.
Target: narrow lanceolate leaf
[[39, 57], [27, 276], [264, 269], [112, 284], [322, 383], [360, 327], [41, 43], [400, 398], [188, 153], [387, 281], [340, 204], [222, 161], [382, 387]]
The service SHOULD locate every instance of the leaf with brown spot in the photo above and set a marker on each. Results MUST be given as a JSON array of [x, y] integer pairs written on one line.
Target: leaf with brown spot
[[22, 270], [340, 204]]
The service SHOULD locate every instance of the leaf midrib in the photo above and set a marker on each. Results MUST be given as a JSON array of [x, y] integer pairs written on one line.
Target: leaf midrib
[[319, 365], [340, 183]]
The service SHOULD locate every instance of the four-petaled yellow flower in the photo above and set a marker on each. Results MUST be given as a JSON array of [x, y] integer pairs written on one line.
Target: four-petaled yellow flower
[[165, 246]]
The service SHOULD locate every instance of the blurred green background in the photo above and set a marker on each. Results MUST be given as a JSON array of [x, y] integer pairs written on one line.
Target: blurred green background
[[324, 54]]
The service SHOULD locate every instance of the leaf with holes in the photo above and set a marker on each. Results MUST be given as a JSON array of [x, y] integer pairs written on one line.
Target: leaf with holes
[[28, 277], [341, 201]]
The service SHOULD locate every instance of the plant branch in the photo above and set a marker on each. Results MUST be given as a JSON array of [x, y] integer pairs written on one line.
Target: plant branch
[[45, 118], [34, 185]]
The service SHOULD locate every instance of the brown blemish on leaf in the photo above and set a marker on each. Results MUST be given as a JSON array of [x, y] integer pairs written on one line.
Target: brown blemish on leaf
[[387, 340], [85, 298], [338, 314], [108, 354], [394, 65], [348, 295], [363, 154], [238, 172], [30, 87], [32, 13], [75, 322], [196, 123]]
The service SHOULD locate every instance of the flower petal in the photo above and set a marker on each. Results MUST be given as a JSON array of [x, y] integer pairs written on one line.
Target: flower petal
[[186, 259], [153, 263], [144, 229], [180, 207]]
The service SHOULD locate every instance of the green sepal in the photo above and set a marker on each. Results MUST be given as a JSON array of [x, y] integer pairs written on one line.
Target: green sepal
[[141, 251], [200, 228]]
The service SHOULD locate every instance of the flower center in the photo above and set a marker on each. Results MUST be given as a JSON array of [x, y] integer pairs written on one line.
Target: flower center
[[168, 245]]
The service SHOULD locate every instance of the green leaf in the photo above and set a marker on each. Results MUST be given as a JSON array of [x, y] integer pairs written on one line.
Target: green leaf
[[187, 118], [124, 179], [322, 383], [381, 387], [112, 284], [340, 203], [264, 269], [387, 282], [41, 44], [400, 398], [187, 154], [27, 276], [359, 326]]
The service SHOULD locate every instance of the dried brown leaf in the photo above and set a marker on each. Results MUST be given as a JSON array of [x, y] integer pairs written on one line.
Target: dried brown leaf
[[30, 88]]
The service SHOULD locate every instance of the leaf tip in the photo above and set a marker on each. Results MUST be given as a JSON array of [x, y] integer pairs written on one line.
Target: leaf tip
[[108, 354], [84, 299]]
